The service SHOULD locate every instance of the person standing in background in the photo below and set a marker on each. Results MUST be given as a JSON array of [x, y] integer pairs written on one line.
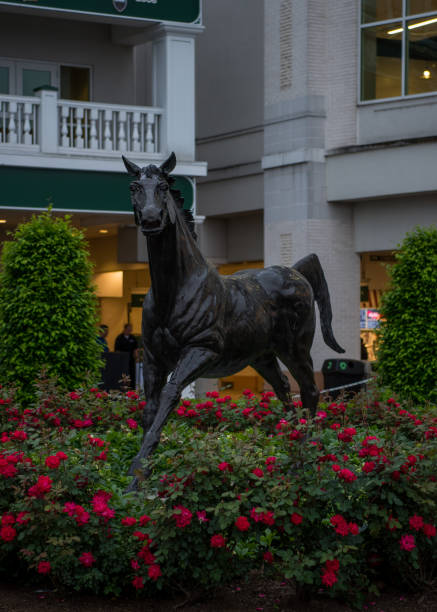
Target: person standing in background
[[101, 338], [126, 343]]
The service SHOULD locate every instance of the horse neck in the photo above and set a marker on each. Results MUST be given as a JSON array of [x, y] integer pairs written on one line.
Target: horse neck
[[173, 258]]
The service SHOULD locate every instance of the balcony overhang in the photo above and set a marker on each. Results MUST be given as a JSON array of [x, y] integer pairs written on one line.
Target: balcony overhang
[[382, 170], [115, 12]]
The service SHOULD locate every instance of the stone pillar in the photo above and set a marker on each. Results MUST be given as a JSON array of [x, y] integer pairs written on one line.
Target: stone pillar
[[173, 87], [48, 118], [298, 220]]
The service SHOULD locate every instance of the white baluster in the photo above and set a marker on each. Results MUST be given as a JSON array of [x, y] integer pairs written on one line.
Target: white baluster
[[122, 116], [12, 126], [94, 115], [79, 131], [27, 129], [136, 145], [107, 133], [150, 145], [64, 126]]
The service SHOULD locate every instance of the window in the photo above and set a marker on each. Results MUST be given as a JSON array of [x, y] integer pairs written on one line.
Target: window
[[18, 77], [398, 48]]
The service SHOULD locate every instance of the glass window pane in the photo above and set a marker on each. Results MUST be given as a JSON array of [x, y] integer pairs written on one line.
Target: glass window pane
[[378, 10], [75, 83], [4, 80], [33, 79], [381, 63], [414, 7], [422, 56]]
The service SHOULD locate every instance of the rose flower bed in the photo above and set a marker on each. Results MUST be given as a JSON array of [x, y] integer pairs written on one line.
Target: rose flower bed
[[336, 503]]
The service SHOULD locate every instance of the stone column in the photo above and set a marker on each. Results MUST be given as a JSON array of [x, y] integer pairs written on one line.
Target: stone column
[[298, 220]]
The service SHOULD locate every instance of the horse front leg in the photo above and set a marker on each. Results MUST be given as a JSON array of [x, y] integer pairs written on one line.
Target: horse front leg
[[192, 364], [154, 380]]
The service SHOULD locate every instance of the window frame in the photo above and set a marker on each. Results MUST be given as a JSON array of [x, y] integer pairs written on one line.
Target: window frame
[[403, 19]]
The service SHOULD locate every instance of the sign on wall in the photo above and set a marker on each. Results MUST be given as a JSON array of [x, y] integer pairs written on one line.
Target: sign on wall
[[183, 11]]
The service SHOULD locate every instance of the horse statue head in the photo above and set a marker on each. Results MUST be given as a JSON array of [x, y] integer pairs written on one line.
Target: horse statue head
[[153, 200]]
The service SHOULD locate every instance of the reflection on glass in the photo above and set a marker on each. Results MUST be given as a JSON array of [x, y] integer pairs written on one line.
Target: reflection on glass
[[377, 10], [421, 57], [75, 83], [381, 60], [4, 80], [33, 79], [414, 7]]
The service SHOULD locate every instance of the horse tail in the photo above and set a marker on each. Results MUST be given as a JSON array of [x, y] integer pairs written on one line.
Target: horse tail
[[311, 269]]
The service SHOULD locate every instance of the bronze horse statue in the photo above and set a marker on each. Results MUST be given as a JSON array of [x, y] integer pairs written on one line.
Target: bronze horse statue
[[197, 323]]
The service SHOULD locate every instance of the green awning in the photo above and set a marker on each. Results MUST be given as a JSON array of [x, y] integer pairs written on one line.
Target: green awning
[[73, 190]]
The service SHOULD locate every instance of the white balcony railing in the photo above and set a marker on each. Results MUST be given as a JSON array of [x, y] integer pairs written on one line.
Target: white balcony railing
[[19, 121], [47, 125], [107, 128]]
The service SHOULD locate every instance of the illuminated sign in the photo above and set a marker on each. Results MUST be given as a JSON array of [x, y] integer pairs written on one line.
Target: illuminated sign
[[369, 318], [183, 11]]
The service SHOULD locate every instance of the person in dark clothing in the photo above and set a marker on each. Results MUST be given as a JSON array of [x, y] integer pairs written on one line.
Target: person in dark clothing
[[126, 343]]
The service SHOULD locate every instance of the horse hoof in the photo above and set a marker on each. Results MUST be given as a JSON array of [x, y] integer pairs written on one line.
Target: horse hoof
[[133, 486]]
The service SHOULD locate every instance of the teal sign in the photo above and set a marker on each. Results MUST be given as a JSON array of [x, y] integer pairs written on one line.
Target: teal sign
[[183, 11], [74, 190]]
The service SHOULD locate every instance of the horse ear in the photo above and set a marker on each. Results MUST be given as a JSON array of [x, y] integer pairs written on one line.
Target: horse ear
[[132, 169], [169, 165]]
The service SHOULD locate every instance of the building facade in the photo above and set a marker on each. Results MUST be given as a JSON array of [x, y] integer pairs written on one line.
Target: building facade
[[82, 82], [320, 137]]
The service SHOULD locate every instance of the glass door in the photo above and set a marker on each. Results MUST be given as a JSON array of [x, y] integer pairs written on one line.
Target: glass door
[[30, 75], [7, 77]]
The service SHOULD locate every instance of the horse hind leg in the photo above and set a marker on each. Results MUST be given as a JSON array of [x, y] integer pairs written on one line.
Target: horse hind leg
[[269, 369], [301, 368]]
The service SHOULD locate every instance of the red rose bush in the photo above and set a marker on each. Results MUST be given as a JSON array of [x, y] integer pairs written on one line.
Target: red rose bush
[[335, 503]]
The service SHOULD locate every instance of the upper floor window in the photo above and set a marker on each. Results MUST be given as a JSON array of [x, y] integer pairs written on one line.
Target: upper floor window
[[398, 48], [21, 77]]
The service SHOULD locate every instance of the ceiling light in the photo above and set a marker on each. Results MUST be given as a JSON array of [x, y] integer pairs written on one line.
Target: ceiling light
[[103, 231], [2, 220], [413, 26], [397, 31], [422, 23], [426, 74]]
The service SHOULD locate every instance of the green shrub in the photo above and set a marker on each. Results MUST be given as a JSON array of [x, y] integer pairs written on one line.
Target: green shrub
[[407, 354], [47, 305]]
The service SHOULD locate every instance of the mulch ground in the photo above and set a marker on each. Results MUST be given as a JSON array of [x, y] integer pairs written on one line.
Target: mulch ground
[[258, 594]]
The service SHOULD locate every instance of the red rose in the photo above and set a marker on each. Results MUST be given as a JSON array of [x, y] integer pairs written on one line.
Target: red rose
[[296, 518], [329, 578], [154, 572], [128, 520], [429, 530], [44, 567], [61, 455], [242, 524], [369, 466], [138, 583], [52, 462], [87, 559], [132, 423], [258, 472], [407, 542], [416, 522], [224, 466], [182, 516], [268, 557], [7, 533], [217, 541]]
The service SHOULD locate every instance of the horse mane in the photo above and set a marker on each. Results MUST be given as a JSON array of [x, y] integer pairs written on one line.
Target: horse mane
[[186, 214]]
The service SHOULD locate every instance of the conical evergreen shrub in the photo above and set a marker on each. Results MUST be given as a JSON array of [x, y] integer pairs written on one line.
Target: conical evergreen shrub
[[47, 306], [407, 354]]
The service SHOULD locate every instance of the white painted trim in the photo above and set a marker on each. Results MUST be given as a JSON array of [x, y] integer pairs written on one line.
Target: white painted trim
[[10, 157], [291, 158], [67, 210]]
